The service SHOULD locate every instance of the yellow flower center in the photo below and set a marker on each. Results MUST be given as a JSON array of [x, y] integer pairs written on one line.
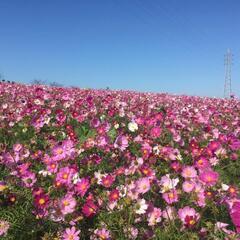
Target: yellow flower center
[[2, 187], [65, 176], [41, 201], [171, 195], [200, 162], [59, 151], [192, 222], [53, 166], [209, 178]]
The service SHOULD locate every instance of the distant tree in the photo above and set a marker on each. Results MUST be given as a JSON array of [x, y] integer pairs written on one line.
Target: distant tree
[[55, 84], [38, 82]]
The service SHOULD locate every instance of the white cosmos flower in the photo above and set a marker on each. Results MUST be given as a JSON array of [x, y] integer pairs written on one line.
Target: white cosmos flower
[[75, 178], [44, 173], [141, 206], [168, 183], [98, 175], [225, 187], [132, 126]]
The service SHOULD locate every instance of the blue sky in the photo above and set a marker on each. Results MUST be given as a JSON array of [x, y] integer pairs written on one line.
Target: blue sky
[[156, 45]]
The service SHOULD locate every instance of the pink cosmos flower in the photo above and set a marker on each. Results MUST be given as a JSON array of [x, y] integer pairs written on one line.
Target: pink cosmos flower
[[188, 186], [71, 234], [209, 177], [17, 147], [155, 132], [58, 153], [89, 208], [154, 216], [121, 142], [65, 175], [143, 185], [52, 167], [41, 200], [202, 163], [107, 181], [46, 159], [189, 172], [170, 197], [176, 166], [114, 195], [67, 204], [147, 171], [146, 150], [214, 145], [82, 186], [169, 153], [101, 234], [4, 226], [23, 168], [167, 183], [188, 216], [29, 179]]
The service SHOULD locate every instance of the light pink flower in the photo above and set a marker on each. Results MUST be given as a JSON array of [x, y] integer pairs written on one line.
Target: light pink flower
[[101, 234], [154, 216], [188, 186], [170, 197], [143, 185], [188, 216], [4, 226], [67, 204], [71, 234], [189, 172], [121, 142]]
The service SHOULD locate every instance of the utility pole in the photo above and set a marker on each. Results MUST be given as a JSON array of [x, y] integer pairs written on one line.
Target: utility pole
[[228, 74]]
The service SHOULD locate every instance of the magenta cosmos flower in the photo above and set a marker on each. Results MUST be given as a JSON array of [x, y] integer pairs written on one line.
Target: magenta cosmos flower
[[107, 181], [155, 132], [71, 234], [209, 177], [89, 208], [65, 175], [58, 153], [82, 186], [114, 195], [41, 200], [202, 163], [235, 215]]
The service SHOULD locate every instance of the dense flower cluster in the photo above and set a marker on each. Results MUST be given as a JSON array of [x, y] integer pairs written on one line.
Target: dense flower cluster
[[97, 164]]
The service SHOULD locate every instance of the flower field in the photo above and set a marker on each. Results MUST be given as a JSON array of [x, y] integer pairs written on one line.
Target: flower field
[[100, 164]]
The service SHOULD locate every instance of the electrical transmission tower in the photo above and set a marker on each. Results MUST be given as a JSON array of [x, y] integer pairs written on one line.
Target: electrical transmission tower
[[228, 74]]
